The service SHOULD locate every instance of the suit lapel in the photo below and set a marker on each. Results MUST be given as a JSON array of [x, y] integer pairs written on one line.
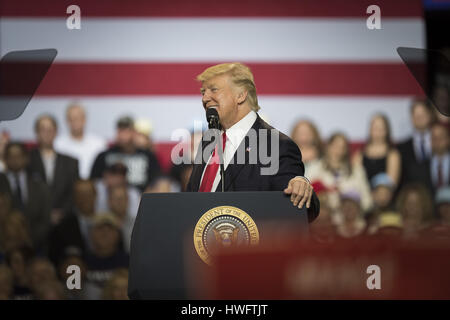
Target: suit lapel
[[233, 169], [40, 166], [28, 207]]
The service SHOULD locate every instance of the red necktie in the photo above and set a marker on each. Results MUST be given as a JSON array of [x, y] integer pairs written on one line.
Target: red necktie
[[211, 169]]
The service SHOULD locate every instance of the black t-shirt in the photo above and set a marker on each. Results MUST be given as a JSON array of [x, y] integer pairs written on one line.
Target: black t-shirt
[[142, 165], [100, 269]]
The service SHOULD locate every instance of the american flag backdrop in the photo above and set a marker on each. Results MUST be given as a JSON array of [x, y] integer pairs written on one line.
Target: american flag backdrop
[[311, 59]]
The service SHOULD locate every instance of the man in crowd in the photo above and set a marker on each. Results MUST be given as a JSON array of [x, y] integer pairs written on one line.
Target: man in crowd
[[29, 196], [416, 151], [116, 176], [230, 88], [440, 158], [142, 165], [118, 199], [73, 230], [80, 144], [56, 170], [107, 253]]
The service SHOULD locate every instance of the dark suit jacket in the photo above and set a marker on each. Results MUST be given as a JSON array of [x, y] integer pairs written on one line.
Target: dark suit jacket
[[413, 171], [37, 209], [66, 234], [66, 173], [248, 177]]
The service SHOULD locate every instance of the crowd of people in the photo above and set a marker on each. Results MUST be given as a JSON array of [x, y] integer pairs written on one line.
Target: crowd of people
[[381, 187], [73, 199]]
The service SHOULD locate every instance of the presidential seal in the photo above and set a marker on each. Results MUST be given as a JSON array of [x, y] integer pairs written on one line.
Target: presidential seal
[[223, 227]]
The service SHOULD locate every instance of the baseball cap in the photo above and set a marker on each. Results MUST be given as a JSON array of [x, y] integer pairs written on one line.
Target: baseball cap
[[143, 126], [390, 220], [125, 122], [382, 179], [107, 218]]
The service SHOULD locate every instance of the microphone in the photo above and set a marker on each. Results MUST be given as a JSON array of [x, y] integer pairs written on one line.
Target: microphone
[[212, 116]]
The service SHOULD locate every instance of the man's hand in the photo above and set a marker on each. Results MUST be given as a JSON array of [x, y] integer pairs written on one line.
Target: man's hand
[[300, 190]]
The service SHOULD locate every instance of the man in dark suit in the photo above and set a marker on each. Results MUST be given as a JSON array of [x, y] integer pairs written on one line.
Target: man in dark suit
[[245, 141], [416, 151], [73, 230], [57, 171], [440, 158], [29, 196]]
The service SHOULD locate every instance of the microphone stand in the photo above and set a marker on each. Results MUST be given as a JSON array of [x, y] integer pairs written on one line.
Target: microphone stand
[[214, 123]]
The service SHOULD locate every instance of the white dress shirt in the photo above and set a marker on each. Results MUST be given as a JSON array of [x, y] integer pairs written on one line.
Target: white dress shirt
[[85, 150], [49, 162], [235, 135]]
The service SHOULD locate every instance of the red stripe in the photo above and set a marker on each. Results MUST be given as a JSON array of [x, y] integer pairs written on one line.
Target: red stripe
[[88, 79], [211, 8]]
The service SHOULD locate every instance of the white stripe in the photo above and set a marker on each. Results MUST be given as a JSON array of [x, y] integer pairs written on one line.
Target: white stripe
[[167, 113], [211, 40]]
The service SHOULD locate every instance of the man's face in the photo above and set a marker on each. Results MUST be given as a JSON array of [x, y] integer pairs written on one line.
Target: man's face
[[439, 140], [125, 136], [412, 211], [40, 272], [219, 92], [105, 237], [350, 210], [112, 179], [84, 198], [382, 196], [46, 133], [118, 201], [16, 160], [421, 117], [76, 120]]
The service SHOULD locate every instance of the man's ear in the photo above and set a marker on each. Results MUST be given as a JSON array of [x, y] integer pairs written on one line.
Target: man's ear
[[242, 97]]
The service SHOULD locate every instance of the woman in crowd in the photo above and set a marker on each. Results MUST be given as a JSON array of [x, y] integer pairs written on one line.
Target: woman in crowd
[[338, 174], [306, 136], [379, 154]]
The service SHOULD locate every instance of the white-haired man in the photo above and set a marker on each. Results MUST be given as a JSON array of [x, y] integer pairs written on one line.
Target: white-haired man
[[78, 143]]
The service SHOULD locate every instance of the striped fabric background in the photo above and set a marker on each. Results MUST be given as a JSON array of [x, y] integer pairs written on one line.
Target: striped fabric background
[[311, 59]]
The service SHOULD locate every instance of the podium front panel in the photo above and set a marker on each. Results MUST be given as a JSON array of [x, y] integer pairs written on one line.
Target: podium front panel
[[163, 236]]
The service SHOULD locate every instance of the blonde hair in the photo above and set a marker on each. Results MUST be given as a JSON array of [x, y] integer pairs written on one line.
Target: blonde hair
[[241, 77]]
